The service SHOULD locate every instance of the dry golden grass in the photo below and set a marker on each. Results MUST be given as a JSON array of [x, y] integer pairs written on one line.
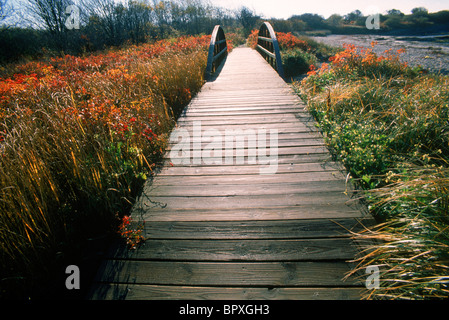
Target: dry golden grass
[[78, 138]]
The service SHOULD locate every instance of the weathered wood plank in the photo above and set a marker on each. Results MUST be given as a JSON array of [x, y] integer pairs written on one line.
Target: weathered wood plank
[[248, 189], [242, 112], [157, 292], [248, 169], [224, 121], [270, 274], [229, 191], [260, 108], [239, 179], [302, 134], [244, 102], [204, 144], [260, 102], [154, 212], [242, 250], [213, 133], [250, 201], [287, 127], [235, 95], [281, 159], [218, 156], [256, 229]]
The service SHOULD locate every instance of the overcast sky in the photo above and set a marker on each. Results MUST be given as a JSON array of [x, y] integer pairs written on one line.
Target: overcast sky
[[287, 8]]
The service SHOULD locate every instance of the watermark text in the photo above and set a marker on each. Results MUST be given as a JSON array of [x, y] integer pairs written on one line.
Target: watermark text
[[230, 147]]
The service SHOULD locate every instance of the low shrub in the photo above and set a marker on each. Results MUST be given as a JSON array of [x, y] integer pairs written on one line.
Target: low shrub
[[296, 62]]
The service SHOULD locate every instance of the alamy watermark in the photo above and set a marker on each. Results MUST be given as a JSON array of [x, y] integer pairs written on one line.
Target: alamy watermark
[[230, 147], [373, 19], [373, 278], [73, 19], [73, 280]]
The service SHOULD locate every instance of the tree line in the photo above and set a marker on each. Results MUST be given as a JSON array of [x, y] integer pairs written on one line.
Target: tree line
[[394, 21], [77, 26]]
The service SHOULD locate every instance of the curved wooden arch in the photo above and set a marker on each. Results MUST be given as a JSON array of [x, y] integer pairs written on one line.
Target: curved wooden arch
[[268, 46], [218, 49]]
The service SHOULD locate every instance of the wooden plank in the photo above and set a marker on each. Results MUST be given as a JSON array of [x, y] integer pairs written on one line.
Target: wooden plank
[[218, 147], [239, 100], [156, 212], [249, 201], [208, 133], [157, 292], [300, 133], [241, 106], [248, 169], [255, 119], [208, 121], [248, 189], [219, 121], [281, 159], [243, 250], [241, 126], [219, 155], [242, 87], [204, 143], [255, 229], [241, 112], [268, 274], [232, 99], [208, 94], [240, 179]]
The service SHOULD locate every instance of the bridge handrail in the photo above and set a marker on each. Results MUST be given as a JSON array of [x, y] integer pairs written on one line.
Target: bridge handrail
[[218, 50], [268, 46]]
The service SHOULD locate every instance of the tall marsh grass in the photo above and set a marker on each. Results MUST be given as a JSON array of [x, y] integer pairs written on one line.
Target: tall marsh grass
[[412, 250], [388, 123], [78, 138]]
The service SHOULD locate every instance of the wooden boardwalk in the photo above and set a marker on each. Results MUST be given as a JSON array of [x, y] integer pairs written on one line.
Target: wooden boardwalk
[[227, 230]]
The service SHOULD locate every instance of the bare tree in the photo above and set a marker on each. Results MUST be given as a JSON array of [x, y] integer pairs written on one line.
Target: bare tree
[[247, 18], [138, 20], [51, 15], [199, 14], [107, 19], [161, 11]]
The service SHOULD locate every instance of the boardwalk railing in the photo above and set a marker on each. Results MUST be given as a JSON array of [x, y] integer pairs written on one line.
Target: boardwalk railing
[[218, 50], [268, 46]]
